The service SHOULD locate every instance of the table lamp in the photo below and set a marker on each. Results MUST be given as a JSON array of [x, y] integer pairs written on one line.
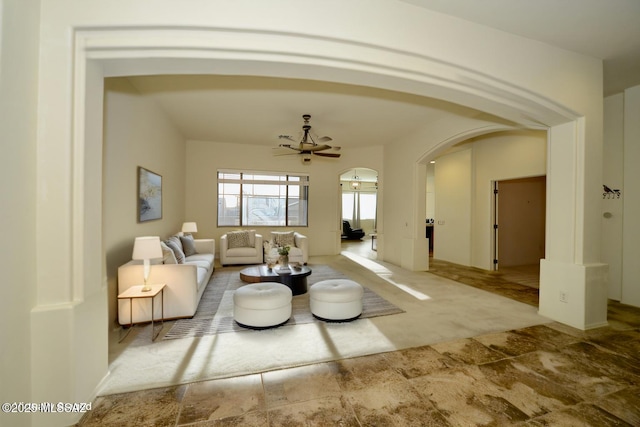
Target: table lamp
[[189, 227], [147, 248]]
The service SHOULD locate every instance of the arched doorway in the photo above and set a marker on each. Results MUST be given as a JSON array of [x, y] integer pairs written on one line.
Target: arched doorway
[[359, 212], [130, 50]]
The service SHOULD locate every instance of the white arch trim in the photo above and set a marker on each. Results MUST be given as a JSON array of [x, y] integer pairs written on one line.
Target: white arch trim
[[215, 50], [110, 52]]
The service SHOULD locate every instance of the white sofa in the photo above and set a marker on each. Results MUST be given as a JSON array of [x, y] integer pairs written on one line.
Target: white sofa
[[241, 247], [299, 250], [185, 284]]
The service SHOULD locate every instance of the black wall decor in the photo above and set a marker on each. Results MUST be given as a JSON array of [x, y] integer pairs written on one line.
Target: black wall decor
[[608, 193]]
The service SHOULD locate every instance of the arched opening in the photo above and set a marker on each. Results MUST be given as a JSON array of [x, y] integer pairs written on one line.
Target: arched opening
[[462, 208], [116, 55], [359, 211]]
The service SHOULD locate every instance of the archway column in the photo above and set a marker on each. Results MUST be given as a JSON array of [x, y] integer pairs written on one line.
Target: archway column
[[573, 288]]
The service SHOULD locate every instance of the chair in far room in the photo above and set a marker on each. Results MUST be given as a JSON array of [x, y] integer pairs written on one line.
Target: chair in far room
[[349, 233]]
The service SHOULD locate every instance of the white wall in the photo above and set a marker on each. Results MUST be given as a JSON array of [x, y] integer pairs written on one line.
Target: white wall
[[631, 196], [497, 157], [620, 228], [205, 158], [136, 133], [431, 196], [612, 206], [464, 191], [454, 210], [19, 33]]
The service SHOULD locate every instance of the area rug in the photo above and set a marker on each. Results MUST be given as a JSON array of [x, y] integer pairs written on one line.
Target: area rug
[[215, 310]]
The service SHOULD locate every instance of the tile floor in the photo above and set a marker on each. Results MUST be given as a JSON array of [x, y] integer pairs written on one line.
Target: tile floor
[[546, 375]]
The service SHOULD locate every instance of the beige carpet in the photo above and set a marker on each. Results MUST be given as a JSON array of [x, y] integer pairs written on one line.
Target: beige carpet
[[215, 311], [436, 309]]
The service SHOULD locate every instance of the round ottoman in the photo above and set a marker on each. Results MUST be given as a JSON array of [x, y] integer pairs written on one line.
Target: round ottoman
[[262, 305], [336, 299]]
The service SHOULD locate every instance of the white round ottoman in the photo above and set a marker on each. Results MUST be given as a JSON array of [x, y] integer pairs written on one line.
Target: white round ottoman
[[336, 299], [262, 305]]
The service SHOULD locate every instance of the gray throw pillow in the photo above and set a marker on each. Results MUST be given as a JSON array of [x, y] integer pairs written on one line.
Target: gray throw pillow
[[176, 247], [168, 257], [188, 245]]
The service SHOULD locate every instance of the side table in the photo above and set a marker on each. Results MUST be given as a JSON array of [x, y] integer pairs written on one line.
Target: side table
[[136, 292]]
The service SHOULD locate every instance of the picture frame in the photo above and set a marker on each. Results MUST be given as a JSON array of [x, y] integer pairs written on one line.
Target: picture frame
[[149, 195]]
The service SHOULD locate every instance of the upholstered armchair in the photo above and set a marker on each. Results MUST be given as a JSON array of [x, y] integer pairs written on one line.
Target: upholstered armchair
[[298, 244], [241, 247], [349, 233]]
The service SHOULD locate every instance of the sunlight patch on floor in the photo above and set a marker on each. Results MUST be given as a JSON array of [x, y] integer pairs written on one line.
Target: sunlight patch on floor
[[385, 274]]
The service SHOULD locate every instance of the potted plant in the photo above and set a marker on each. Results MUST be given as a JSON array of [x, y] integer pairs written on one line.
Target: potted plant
[[283, 251]]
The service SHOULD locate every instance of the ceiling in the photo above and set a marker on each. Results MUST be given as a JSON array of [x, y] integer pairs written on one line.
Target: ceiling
[[604, 29], [255, 110]]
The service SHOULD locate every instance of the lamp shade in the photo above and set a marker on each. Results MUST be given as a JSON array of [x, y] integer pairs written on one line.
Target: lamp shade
[[147, 247], [189, 227]]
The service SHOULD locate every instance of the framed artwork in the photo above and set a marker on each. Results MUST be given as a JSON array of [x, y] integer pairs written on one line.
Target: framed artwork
[[149, 195]]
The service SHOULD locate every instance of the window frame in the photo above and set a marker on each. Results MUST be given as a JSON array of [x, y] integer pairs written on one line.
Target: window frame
[[283, 179]]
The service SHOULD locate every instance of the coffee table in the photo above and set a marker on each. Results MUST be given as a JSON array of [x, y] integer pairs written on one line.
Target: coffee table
[[296, 280]]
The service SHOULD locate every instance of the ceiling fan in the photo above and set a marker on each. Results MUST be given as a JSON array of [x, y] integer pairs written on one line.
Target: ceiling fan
[[308, 147]]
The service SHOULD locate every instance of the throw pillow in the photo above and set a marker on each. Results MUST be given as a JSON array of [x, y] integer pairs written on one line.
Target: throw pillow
[[283, 238], [252, 238], [168, 257], [188, 245], [174, 243], [238, 239]]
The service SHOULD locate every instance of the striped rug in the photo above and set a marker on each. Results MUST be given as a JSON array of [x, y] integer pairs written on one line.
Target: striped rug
[[215, 310]]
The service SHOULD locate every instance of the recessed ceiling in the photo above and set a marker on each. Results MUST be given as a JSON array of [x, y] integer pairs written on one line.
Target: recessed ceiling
[[256, 110]]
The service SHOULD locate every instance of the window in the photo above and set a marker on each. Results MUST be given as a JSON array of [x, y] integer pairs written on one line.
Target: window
[[358, 205], [262, 198]]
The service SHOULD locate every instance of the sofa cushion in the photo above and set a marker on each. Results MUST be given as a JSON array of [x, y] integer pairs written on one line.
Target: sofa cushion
[[168, 257], [176, 246], [200, 264], [238, 239], [188, 245], [283, 238], [293, 252], [200, 257], [202, 274], [241, 252]]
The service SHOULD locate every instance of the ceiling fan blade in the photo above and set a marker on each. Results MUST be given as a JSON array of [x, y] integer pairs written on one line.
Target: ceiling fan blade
[[319, 147], [288, 146], [325, 139], [284, 150], [289, 137], [286, 153], [334, 155]]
